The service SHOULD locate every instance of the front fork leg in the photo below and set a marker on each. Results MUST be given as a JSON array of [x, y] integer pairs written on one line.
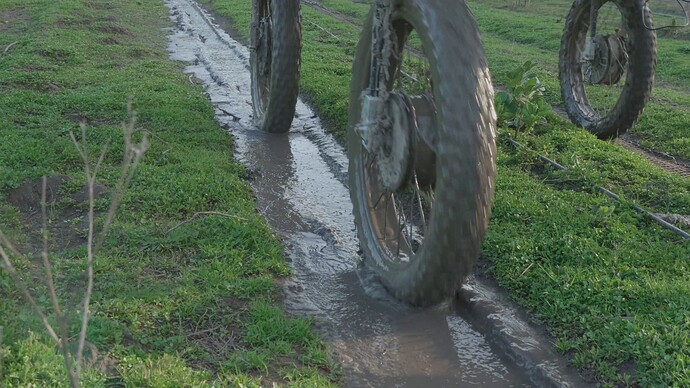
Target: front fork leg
[[590, 45], [374, 97]]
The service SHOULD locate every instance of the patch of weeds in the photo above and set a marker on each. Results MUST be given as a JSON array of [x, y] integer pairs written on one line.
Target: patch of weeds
[[522, 106], [31, 361], [267, 327], [248, 361], [307, 377], [164, 371]]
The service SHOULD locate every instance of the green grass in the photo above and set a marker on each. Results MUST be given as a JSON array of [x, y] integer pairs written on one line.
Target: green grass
[[189, 307], [610, 285]]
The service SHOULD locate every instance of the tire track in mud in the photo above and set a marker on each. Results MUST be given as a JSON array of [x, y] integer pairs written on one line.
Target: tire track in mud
[[666, 162], [298, 182]]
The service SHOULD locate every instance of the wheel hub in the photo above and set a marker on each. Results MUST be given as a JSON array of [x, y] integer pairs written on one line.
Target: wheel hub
[[395, 154], [608, 62]]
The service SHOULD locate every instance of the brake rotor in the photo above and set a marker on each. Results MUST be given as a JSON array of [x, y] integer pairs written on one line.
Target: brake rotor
[[609, 63], [395, 156]]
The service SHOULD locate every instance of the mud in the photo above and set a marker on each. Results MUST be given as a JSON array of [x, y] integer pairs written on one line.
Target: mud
[[299, 182], [666, 162], [10, 18], [67, 212]]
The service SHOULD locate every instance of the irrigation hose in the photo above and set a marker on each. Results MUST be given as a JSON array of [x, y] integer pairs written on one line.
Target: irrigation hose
[[605, 191]]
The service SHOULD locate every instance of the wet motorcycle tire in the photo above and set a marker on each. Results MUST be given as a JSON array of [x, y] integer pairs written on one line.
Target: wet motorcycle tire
[[640, 72], [465, 154], [274, 105]]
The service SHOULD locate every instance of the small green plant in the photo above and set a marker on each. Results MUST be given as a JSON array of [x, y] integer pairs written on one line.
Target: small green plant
[[522, 106]]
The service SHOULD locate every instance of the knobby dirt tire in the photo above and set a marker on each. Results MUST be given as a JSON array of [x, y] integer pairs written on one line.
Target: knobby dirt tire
[[640, 71], [465, 159], [274, 107]]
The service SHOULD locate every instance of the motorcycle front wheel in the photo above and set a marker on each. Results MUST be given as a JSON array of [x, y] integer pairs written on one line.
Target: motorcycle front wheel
[[422, 198]]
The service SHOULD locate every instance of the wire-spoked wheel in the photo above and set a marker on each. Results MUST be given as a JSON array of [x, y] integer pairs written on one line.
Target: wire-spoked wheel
[[422, 187], [275, 45], [605, 90]]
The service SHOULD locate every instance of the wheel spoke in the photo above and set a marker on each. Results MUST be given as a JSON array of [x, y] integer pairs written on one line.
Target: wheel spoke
[[385, 215], [408, 222], [400, 226], [378, 200], [419, 200]]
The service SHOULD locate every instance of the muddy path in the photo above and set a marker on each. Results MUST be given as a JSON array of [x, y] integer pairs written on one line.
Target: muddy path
[[299, 181]]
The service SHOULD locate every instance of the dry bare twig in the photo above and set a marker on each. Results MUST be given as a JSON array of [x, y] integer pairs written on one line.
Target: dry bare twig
[[209, 213], [133, 155], [60, 317], [2, 334], [19, 282], [9, 46]]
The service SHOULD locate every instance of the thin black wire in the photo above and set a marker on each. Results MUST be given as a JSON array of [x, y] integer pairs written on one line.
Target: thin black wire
[[685, 13], [606, 192]]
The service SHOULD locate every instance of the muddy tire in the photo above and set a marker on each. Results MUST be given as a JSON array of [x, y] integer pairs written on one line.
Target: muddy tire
[[464, 158], [640, 70], [275, 45]]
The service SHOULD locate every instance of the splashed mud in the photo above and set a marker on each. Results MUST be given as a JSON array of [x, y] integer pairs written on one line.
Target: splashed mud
[[299, 181]]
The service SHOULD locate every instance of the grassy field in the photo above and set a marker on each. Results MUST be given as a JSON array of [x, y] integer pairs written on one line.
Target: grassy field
[[178, 300], [610, 285]]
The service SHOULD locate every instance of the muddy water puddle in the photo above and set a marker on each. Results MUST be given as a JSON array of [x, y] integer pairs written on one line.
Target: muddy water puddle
[[299, 181]]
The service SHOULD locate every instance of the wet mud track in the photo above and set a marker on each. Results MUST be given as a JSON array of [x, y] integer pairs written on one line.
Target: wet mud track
[[299, 181]]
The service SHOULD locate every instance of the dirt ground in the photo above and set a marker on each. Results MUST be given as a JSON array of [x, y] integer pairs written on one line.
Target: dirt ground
[[66, 209]]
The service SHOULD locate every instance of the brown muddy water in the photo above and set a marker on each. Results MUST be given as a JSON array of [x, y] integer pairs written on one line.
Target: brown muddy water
[[299, 181]]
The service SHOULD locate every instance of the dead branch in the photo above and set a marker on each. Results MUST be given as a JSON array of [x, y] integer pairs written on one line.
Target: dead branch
[[90, 179], [132, 157], [198, 214], [324, 30], [197, 333], [7, 265], [1, 338], [9, 46], [61, 319]]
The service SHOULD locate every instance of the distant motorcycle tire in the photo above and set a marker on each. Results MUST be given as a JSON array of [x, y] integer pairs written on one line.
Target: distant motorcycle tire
[[641, 68]]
